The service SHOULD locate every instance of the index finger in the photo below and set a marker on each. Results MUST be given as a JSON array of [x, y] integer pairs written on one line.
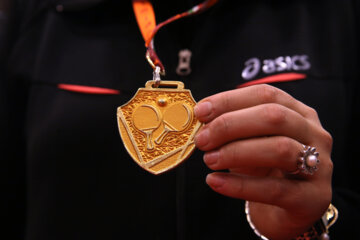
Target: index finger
[[211, 107]]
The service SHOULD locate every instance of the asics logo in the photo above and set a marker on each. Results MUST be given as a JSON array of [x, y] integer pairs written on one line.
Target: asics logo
[[254, 66]]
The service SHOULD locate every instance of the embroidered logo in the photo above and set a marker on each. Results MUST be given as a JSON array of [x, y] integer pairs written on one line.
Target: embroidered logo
[[254, 66]]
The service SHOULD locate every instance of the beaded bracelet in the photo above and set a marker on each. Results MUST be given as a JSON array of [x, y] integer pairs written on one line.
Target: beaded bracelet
[[320, 230]]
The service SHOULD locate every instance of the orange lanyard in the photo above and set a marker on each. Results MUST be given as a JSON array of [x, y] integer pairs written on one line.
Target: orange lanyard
[[145, 17]]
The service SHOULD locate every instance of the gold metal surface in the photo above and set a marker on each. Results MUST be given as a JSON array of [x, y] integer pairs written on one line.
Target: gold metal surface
[[331, 215], [158, 126]]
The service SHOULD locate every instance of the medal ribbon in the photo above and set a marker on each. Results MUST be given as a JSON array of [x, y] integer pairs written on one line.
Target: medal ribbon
[[145, 17]]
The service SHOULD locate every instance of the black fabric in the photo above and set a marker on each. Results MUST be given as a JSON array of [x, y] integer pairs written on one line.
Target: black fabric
[[66, 171], [75, 5]]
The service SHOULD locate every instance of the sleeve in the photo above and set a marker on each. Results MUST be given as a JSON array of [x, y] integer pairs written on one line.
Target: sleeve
[[12, 146]]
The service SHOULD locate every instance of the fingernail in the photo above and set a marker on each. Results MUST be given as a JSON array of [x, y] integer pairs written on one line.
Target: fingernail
[[215, 181], [203, 109], [211, 158], [202, 138]]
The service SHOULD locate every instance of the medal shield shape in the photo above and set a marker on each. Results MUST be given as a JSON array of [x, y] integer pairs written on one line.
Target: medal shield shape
[[157, 126]]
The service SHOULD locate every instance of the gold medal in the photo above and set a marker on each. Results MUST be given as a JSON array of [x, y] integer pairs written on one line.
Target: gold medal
[[158, 125]]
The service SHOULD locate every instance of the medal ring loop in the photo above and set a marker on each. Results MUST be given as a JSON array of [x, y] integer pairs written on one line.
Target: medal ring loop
[[156, 76]]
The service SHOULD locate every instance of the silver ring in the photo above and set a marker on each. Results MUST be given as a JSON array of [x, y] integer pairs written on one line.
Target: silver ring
[[308, 161]]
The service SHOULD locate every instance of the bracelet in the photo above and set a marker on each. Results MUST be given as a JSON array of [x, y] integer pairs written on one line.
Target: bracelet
[[320, 230], [247, 211]]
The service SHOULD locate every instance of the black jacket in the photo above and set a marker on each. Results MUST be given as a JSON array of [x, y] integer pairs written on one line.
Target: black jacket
[[66, 172]]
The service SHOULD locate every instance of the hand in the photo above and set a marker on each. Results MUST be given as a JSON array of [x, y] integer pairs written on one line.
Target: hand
[[257, 133]]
